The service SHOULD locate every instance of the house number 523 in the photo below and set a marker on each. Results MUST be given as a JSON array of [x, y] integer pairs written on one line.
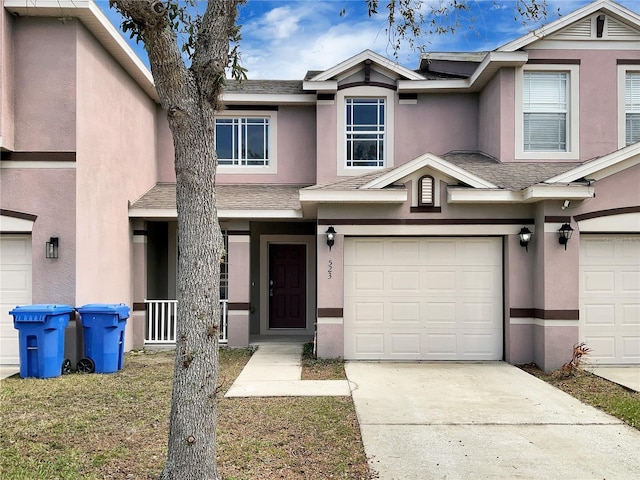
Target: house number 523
[[330, 269]]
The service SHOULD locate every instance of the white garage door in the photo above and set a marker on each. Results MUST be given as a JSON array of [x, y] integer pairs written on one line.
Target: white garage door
[[15, 289], [423, 298], [610, 297]]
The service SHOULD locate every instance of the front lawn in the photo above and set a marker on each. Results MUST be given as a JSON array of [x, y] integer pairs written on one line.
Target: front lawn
[[115, 426]]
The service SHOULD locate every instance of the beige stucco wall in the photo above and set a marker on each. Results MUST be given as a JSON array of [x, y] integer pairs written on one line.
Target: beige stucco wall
[[6, 80], [116, 152], [53, 279], [45, 70]]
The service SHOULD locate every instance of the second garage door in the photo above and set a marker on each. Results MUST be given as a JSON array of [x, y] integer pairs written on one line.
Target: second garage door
[[423, 298]]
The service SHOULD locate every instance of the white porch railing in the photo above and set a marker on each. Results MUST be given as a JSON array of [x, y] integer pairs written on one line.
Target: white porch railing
[[161, 322]]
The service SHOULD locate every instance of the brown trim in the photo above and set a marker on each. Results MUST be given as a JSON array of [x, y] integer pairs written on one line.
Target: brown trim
[[365, 84], [326, 96], [607, 213], [425, 221], [142, 233], [553, 61], [544, 314], [557, 219], [408, 96], [426, 209], [235, 306], [521, 313], [627, 61], [139, 306], [39, 156], [330, 312], [238, 232], [260, 108], [20, 215]]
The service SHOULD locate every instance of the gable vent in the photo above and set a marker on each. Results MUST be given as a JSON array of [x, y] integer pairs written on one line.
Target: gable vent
[[617, 29], [425, 194], [578, 30]]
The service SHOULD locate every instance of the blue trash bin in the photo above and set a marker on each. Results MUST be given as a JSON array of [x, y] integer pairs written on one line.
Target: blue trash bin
[[103, 326], [41, 330]]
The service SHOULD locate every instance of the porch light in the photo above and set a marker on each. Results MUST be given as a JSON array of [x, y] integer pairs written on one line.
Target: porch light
[[525, 238], [565, 234], [51, 248], [331, 237]]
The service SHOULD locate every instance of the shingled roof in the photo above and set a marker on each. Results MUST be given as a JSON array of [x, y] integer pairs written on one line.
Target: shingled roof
[[229, 197], [264, 86]]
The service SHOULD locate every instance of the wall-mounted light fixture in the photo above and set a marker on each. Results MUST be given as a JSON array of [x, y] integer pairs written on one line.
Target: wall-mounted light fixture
[[565, 234], [331, 237], [51, 248], [525, 238]]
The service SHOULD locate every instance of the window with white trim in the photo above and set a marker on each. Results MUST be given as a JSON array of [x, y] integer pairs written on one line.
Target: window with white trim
[[365, 132], [242, 141], [545, 111], [632, 107]]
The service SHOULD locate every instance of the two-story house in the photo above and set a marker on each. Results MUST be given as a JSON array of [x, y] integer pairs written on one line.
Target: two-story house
[[485, 206]]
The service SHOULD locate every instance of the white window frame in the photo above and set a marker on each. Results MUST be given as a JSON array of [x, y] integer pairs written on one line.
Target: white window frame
[[622, 103], [272, 166], [389, 97], [573, 114]]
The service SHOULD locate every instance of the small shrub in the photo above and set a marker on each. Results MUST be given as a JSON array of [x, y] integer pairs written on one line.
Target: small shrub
[[574, 367]]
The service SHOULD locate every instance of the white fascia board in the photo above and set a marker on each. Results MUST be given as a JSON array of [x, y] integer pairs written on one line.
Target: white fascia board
[[428, 160], [275, 99], [12, 224], [361, 57], [260, 214], [173, 213], [99, 25], [473, 195], [557, 192], [546, 30], [491, 63], [153, 213], [604, 166], [395, 195], [328, 86]]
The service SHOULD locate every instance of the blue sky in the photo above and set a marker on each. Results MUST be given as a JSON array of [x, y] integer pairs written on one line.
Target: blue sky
[[284, 39]]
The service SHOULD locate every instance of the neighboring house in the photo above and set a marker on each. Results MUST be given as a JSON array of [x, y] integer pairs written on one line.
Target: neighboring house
[[427, 177]]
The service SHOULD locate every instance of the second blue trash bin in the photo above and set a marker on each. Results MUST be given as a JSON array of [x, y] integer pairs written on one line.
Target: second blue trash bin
[[41, 337], [103, 326]]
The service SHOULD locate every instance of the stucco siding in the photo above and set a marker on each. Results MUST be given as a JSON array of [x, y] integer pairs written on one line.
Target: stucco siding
[[45, 70], [116, 163], [54, 280], [598, 95]]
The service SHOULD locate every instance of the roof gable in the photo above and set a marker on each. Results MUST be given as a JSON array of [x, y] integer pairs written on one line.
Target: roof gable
[[624, 24]]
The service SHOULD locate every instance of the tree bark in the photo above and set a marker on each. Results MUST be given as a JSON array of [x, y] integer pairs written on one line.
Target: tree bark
[[190, 96]]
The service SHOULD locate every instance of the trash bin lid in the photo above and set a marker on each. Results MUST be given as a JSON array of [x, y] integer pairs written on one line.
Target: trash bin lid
[[119, 309], [38, 312]]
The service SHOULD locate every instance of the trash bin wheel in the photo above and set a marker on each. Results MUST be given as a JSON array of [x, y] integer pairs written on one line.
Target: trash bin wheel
[[66, 367], [86, 365]]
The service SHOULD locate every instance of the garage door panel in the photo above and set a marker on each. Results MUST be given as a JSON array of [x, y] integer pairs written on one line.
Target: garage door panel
[[15, 289], [610, 297], [426, 306]]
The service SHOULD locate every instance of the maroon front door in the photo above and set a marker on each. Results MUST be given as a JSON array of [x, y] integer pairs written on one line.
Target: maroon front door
[[287, 285]]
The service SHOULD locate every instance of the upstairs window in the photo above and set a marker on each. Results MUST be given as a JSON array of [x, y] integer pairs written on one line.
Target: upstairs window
[[243, 141], [632, 107], [365, 132], [545, 111]]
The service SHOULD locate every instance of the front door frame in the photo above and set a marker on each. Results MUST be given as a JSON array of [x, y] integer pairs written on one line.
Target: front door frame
[[309, 241]]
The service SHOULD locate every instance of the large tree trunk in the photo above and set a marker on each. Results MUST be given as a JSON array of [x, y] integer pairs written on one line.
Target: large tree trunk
[[190, 97]]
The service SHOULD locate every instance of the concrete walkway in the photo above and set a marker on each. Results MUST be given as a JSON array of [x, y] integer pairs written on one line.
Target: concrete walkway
[[422, 421], [274, 371], [628, 377]]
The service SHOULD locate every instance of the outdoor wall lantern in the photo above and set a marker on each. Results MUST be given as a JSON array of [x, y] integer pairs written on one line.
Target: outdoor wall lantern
[[331, 237], [565, 234], [525, 238], [51, 248]]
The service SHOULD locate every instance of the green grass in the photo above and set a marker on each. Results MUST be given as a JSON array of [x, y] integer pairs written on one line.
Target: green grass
[[115, 426]]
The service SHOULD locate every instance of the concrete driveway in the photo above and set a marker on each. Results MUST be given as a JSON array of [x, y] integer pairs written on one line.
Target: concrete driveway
[[483, 421]]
